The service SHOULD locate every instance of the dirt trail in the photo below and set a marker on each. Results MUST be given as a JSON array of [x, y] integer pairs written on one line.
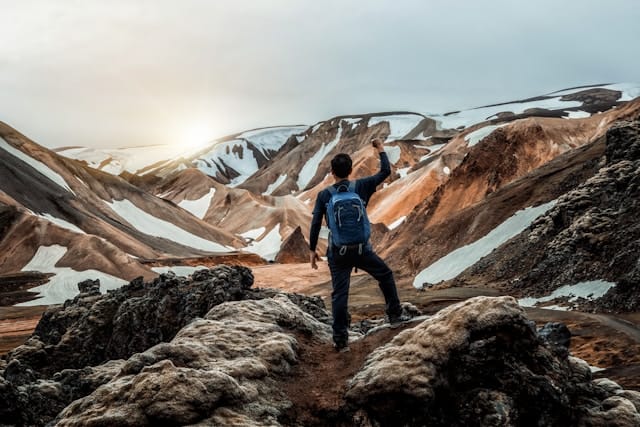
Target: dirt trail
[[317, 386]]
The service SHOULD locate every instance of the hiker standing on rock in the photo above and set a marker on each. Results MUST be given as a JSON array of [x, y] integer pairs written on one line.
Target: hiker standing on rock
[[344, 205]]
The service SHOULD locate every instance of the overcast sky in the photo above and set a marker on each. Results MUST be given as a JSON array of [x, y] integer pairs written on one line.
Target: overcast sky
[[116, 73]]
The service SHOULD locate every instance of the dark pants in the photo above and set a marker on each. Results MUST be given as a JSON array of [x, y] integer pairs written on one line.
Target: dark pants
[[340, 267]]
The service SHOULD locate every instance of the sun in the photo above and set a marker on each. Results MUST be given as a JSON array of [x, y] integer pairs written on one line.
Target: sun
[[197, 135]]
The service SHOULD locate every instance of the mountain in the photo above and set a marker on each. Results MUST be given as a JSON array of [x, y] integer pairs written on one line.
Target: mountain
[[511, 229], [60, 216], [230, 159], [250, 191]]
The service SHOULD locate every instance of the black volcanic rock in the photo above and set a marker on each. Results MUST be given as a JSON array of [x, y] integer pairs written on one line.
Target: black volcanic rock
[[591, 233], [594, 100], [481, 363], [80, 345], [557, 336]]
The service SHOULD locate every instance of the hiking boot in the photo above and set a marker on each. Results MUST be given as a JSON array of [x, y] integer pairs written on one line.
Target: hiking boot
[[341, 346], [397, 319]]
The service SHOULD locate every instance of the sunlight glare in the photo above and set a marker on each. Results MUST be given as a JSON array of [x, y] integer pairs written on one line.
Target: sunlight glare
[[197, 135]]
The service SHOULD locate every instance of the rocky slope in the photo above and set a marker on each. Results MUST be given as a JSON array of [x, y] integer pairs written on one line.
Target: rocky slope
[[210, 350], [590, 234], [58, 216], [540, 159]]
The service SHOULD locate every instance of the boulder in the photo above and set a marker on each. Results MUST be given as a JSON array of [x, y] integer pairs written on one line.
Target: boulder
[[220, 370], [84, 343], [294, 249], [480, 363]]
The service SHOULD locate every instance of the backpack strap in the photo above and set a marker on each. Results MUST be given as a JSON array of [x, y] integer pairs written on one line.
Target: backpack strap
[[350, 187]]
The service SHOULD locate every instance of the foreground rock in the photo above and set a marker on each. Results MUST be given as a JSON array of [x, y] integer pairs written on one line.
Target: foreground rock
[[83, 344], [243, 356], [481, 363], [220, 370]]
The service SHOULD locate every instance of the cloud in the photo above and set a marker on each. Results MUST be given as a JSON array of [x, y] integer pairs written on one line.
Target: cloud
[[141, 72]]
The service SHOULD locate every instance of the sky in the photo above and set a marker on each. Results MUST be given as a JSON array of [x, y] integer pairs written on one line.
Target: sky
[[127, 73]]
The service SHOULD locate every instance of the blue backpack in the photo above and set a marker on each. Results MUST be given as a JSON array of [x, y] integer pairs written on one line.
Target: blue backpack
[[347, 218]]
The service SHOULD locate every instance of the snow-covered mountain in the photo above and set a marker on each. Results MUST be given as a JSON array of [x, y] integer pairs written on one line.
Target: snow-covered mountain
[[456, 178], [61, 217], [230, 159]]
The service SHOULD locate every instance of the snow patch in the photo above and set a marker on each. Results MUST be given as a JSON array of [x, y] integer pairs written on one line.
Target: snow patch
[[578, 115], [399, 125], [403, 172], [467, 118], [200, 206], [434, 149], [589, 290], [629, 91], [61, 223], [353, 121], [165, 194], [309, 169], [393, 152], [130, 159], [149, 224], [253, 234], [269, 246], [64, 285], [271, 139], [457, 261], [478, 135], [396, 223], [36, 164], [274, 185], [234, 154]]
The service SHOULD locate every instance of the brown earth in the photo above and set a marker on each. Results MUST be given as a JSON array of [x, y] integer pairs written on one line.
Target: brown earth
[[317, 387], [17, 324]]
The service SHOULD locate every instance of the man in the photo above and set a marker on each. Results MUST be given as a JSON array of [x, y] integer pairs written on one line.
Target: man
[[341, 262]]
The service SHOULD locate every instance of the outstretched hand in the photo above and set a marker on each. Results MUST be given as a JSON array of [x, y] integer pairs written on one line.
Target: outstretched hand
[[377, 144], [313, 257]]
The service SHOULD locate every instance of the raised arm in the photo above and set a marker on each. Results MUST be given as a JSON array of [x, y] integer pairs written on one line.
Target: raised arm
[[370, 183], [385, 167]]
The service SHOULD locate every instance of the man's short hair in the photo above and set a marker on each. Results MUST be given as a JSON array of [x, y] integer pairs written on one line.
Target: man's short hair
[[341, 165]]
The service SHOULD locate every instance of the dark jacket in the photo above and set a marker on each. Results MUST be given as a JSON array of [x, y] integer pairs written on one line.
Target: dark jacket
[[365, 187]]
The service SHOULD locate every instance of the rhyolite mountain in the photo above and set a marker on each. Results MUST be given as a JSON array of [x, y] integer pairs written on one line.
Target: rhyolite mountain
[[535, 199], [455, 178]]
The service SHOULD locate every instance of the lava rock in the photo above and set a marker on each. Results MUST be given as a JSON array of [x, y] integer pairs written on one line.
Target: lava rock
[[480, 363], [219, 370], [91, 287], [82, 344], [557, 336]]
